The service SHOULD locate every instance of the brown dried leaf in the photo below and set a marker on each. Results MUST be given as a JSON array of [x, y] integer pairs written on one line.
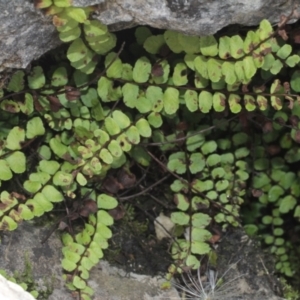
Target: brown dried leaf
[[286, 87], [294, 120], [273, 149], [280, 121], [295, 36], [54, 103], [283, 34], [182, 126], [126, 179], [259, 89], [112, 185], [283, 20], [38, 3], [88, 207], [297, 137], [117, 213], [73, 216], [3, 225], [18, 196], [37, 105], [215, 238], [3, 206], [179, 137], [84, 212], [245, 88], [57, 22], [268, 127], [72, 93], [91, 204], [256, 193], [157, 70], [291, 101]]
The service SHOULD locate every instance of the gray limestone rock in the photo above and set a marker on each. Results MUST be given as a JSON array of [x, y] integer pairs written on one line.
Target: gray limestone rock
[[194, 17], [26, 33]]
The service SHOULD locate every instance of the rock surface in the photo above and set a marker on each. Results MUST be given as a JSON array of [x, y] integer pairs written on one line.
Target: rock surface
[[26, 33], [197, 17]]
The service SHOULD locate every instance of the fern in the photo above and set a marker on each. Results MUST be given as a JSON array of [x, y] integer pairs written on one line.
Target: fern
[[215, 108]]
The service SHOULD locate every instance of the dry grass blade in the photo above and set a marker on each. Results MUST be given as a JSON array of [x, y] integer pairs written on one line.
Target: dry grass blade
[[209, 287]]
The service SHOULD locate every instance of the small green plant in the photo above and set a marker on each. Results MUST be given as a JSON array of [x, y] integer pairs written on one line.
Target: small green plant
[[289, 292]]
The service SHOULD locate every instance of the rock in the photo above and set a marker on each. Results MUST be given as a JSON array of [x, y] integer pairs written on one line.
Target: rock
[[21, 250], [163, 226], [12, 291], [112, 283], [194, 17], [26, 33]]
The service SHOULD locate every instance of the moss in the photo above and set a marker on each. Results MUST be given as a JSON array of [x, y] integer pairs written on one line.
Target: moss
[[288, 291]]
